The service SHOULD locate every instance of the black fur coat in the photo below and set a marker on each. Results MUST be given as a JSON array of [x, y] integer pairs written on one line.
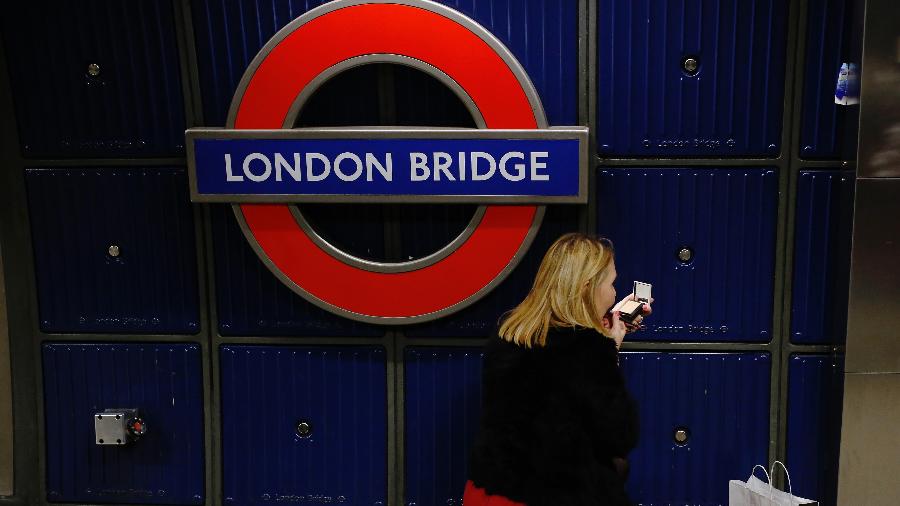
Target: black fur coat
[[554, 419]]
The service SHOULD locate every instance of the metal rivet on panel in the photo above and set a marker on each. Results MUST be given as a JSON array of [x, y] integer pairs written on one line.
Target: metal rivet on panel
[[93, 70], [681, 436], [685, 255], [114, 251], [303, 428], [690, 65]]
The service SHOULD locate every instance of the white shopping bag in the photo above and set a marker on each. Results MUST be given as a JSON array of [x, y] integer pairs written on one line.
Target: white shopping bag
[[754, 492]]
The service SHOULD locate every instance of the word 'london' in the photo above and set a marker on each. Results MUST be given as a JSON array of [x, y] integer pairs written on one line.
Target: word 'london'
[[347, 166]]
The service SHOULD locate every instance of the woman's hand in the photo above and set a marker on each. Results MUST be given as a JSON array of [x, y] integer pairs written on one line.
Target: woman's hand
[[615, 328], [636, 324]]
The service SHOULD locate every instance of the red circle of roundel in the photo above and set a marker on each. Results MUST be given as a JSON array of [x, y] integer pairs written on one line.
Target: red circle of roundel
[[466, 58]]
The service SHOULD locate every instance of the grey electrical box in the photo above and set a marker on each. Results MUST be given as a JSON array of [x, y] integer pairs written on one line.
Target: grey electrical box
[[118, 427]]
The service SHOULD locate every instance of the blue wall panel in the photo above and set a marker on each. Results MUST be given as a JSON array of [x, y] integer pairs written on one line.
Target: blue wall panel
[[252, 301], [822, 236], [340, 392], [133, 107], [648, 106], [726, 217], [828, 130], [721, 400], [815, 397], [164, 381], [77, 214], [542, 34], [480, 319], [443, 406]]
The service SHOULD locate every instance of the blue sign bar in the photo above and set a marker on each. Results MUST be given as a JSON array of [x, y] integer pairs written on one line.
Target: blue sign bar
[[388, 165]]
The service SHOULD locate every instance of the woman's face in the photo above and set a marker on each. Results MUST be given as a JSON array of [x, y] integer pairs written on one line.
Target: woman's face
[[605, 293]]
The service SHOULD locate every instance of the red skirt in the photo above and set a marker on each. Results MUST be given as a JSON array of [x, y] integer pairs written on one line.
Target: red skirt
[[475, 496]]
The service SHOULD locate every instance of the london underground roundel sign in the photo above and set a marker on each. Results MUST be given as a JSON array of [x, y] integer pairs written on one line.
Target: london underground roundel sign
[[511, 164]]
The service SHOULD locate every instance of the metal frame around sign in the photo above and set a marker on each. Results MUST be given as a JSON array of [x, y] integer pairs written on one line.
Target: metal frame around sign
[[560, 133]]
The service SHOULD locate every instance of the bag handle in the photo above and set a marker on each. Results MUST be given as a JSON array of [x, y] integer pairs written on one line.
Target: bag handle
[[772, 472], [768, 480]]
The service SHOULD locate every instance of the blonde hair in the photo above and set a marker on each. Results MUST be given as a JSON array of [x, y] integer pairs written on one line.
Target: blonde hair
[[563, 291]]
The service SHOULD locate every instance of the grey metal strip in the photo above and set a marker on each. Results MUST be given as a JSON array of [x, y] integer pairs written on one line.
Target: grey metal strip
[[387, 132], [397, 421], [21, 310], [787, 177], [694, 347], [584, 67], [383, 199], [112, 163], [661, 163], [119, 338], [6, 420], [304, 341]]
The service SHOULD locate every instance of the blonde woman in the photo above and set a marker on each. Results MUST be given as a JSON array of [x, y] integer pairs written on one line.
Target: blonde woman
[[557, 422]]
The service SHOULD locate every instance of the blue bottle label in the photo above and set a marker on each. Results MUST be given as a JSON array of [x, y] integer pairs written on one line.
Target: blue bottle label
[[847, 90]]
